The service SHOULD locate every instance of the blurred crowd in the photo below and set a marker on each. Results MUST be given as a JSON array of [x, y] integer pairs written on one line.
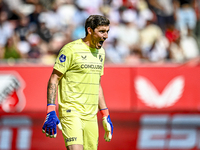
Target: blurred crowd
[[153, 31]]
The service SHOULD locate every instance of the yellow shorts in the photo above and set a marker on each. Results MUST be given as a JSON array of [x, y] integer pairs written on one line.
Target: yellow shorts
[[78, 131]]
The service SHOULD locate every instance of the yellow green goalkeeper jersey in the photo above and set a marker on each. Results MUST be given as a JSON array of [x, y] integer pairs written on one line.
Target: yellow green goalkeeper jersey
[[78, 89]]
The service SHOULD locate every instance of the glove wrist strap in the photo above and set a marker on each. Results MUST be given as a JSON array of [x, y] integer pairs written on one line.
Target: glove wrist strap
[[51, 107], [104, 112]]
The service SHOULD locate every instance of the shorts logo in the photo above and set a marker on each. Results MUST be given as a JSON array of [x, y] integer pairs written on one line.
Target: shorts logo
[[62, 58], [71, 139], [12, 98]]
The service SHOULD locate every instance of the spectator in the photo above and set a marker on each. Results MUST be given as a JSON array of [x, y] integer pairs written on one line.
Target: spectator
[[172, 33], [80, 15], [158, 52], [128, 32], [44, 33], [78, 32], [143, 12], [23, 30], [90, 7], [47, 3], [184, 48], [153, 43], [197, 28], [135, 31], [116, 52], [164, 10], [15, 8], [4, 8], [176, 52], [135, 57], [35, 51], [189, 45], [71, 19], [34, 16], [6, 30], [58, 40], [52, 19], [10, 50], [186, 16]]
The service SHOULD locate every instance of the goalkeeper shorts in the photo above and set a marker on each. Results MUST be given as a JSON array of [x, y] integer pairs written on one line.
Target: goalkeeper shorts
[[78, 131]]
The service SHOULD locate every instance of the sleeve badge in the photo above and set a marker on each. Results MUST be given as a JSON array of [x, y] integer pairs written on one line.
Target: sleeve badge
[[62, 58]]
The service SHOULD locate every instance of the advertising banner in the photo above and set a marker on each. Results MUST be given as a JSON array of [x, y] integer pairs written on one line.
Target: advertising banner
[[151, 108], [125, 88], [132, 131]]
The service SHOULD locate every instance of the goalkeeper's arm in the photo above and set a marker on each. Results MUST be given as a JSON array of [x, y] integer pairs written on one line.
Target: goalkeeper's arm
[[51, 121], [107, 124]]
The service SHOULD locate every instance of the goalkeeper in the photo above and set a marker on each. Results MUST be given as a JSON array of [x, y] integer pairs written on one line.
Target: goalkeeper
[[76, 78]]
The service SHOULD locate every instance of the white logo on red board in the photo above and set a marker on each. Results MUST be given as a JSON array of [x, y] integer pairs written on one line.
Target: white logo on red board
[[12, 97], [167, 131], [149, 95], [16, 132]]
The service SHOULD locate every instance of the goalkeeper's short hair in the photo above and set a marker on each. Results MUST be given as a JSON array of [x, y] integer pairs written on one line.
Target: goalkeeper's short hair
[[93, 21]]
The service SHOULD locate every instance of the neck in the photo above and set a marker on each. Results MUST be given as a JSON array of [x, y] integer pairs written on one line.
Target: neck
[[88, 42]]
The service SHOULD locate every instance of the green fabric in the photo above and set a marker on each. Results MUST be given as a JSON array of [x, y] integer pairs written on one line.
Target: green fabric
[[11, 52]]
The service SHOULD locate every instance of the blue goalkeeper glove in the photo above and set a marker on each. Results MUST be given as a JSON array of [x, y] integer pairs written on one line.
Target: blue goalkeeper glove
[[107, 124], [49, 126]]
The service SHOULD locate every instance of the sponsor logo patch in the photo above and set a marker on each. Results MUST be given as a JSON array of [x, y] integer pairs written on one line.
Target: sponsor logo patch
[[91, 66], [62, 58], [71, 139], [84, 57]]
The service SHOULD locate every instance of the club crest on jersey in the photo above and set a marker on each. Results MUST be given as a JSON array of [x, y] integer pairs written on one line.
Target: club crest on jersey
[[62, 58], [100, 58]]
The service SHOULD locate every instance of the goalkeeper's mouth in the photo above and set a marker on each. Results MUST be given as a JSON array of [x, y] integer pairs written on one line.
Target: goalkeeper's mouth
[[100, 44]]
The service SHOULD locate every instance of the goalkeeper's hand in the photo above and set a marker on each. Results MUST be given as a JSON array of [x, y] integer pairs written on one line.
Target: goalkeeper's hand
[[107, 124], [49, 126]]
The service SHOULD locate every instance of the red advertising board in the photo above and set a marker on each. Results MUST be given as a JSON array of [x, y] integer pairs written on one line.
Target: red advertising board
[[125, 88], [117, 88], [151, 108], [132, 131]]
